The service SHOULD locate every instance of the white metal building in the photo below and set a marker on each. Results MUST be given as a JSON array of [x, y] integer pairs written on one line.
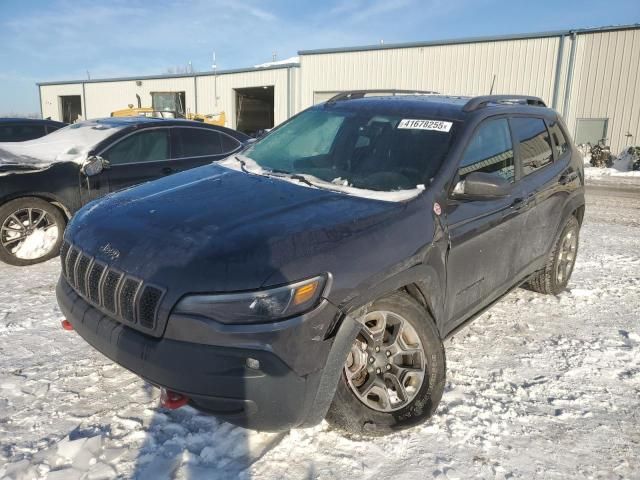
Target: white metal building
[[590, 75]]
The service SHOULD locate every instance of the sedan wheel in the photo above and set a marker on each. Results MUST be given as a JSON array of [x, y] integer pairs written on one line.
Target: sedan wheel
[[30, 231]]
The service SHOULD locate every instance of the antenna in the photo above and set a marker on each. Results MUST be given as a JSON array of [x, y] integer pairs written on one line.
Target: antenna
[[493, 82], [88, 75]]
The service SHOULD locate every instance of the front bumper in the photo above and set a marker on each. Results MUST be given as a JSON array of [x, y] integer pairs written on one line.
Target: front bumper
[[207, 362]]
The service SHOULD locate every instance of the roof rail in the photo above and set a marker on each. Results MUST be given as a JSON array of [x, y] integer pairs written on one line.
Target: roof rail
[[353, 94], [482, 101]]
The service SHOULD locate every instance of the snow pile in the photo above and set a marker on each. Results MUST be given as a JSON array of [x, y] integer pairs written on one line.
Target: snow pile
[[71, 143], [38, 244], [537, 387], [622, 166], [286, 61]]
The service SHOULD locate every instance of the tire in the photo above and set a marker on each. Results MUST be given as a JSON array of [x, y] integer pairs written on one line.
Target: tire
[[348, 412], [555, 275], [31, 231]]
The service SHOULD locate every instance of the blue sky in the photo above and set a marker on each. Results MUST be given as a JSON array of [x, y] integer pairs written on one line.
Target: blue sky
[[43, 40]]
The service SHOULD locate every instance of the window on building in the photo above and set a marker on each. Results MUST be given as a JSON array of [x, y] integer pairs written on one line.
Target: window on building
[[490, 151], [591, 130], [535, 144]]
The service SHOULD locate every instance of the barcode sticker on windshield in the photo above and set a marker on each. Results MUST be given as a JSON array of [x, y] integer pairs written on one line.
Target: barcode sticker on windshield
[[437, 125]]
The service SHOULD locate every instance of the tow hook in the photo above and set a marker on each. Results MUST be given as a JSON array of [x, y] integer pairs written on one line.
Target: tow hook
[[172, 400], [66, 324]]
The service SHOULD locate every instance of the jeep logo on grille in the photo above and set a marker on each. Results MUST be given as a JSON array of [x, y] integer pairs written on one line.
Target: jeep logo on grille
[[111, 252]]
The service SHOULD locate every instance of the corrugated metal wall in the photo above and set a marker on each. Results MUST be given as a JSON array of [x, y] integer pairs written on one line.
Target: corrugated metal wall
[[50, 98], [606, 84], [224, 86], [520, 66], [104, 97]]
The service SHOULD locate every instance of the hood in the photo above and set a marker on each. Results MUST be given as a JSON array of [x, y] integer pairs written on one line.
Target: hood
[[71, 143], [212, 229]]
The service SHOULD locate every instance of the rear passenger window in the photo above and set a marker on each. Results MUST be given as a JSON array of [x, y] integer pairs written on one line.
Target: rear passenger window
[[535, 144], [228, 144], [196, 142], [490, 151], [559, 140]]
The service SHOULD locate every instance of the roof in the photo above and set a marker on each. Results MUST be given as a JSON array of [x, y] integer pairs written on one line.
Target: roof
[[29, 120], [463, 40], [439, 106], [174, 75]]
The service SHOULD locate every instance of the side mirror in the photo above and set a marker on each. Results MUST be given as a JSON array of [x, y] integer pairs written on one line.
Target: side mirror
[[94, 165], [482, 186]]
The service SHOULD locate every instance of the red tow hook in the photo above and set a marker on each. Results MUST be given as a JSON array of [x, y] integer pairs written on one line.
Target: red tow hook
[[66, 324], [172, 400]]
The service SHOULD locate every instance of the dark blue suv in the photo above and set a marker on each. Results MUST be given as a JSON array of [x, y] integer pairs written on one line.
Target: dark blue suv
[[315, 273]]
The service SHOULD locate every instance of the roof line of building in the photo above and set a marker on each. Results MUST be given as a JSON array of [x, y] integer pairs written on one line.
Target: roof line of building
[[172, 75], [456, 41]]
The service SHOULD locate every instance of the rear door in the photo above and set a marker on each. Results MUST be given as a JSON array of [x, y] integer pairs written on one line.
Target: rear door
[[543, 162], [194, 146], [484, 234]]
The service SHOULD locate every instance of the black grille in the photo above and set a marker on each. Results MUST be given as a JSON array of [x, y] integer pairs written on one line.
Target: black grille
[[93, 285], [71, 263], [128, 298], [109, 287], [148, 306], [81, 273], [64, 251]]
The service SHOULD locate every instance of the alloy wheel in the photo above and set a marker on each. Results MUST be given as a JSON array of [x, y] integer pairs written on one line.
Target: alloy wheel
[[385, 368], [29, 233], [566, 256]]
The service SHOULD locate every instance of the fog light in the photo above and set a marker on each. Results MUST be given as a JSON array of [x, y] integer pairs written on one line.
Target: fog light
[[253, 364]]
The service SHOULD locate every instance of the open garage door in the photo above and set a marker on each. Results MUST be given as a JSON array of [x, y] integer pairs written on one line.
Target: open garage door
[[254, 109], [70, 108]]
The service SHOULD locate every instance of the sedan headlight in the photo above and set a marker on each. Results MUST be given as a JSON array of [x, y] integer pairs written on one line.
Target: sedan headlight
[[256, 307]]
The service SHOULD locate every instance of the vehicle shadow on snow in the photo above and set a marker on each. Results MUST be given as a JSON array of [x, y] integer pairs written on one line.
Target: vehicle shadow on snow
[[185, 443]]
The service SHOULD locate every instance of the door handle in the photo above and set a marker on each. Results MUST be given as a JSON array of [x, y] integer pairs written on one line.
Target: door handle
[[167, 170]]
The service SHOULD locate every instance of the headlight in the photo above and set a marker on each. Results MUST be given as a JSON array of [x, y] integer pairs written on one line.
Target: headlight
[[256, 307]]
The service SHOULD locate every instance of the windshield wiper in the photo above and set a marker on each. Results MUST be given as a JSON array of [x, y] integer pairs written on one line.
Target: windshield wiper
[[294, 176], [242, 164]]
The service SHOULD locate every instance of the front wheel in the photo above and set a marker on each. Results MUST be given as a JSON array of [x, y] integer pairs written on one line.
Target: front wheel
[[394, 375], [31, 231]]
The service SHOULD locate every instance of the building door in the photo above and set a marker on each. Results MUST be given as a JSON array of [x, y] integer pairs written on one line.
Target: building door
[[254, 109], [70, 108]]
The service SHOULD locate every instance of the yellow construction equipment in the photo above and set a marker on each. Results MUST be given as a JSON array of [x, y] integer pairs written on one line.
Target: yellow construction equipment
[[169, 105]]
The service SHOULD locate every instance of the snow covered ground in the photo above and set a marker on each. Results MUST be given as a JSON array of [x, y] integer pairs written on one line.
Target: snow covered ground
[[538, 387]]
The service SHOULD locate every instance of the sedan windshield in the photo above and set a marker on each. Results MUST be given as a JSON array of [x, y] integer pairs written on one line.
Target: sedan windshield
[[357, 149]]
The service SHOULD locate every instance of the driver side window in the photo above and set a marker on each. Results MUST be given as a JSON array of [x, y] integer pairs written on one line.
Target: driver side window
[[145, 146], [490, 151]]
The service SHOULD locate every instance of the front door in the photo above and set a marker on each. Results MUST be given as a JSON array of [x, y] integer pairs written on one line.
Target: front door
[[484, 235]]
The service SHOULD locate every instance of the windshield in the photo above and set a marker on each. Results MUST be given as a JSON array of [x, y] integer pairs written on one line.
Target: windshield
[[70, 143], [357, 149]]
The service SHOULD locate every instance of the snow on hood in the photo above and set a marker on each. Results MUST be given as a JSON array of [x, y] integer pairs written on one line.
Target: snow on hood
[[337, 185], [70, 144]]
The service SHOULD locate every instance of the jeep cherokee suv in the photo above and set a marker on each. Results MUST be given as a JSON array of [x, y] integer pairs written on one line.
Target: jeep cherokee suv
[[316, 273]]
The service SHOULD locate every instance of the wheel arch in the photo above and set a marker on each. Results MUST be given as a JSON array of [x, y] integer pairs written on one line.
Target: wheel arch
[[423, 283], [47, 197]]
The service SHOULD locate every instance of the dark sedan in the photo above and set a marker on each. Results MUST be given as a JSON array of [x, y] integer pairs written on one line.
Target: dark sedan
[[21, 129], [43, 182]]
